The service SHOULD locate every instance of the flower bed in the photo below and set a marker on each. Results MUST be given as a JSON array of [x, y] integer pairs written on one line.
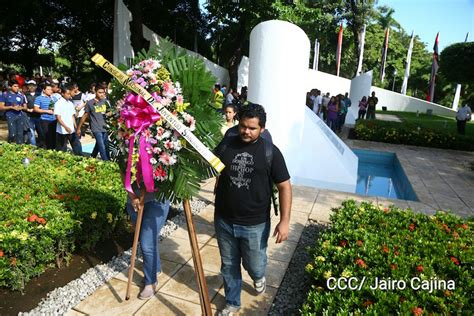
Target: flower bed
[[411, 134], [56, 202], [423, 264]]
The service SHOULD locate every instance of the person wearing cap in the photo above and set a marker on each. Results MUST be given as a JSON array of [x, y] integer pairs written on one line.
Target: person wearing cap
[[34, 117], [14, 102]]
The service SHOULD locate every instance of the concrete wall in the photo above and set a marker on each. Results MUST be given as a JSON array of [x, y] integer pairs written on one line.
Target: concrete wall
[[360, 86], [394, 101]]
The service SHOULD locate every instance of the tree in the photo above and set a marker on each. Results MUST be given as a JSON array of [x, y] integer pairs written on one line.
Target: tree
[[455, 62]]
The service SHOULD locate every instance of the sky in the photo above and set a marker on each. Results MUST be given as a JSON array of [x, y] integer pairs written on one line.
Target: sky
[[451, 18]]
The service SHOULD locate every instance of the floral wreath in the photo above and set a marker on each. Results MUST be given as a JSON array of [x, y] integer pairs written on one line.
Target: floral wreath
[[140, 126]]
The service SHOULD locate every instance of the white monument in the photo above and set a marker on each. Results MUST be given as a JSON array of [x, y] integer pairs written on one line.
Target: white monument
[[315, 156], [360, 86]]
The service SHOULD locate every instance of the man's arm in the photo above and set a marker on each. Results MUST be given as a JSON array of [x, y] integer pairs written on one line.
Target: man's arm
[[283, 227], [61, 122], [37, 109], [83, 119]]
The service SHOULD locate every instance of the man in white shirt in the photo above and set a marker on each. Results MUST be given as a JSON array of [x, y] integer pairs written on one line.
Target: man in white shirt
[[65, 113], [462, 117], [318, 101]]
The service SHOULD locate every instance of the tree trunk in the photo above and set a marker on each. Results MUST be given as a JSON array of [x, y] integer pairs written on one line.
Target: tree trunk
[[234, 63], [136, 28]]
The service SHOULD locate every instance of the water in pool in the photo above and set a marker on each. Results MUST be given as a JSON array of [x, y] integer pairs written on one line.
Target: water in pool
[[381, 174]]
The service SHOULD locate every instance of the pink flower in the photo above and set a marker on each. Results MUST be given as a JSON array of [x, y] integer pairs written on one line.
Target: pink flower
[[165, 158], [160, 131], [179, 99], [156, 150], [168, 144]]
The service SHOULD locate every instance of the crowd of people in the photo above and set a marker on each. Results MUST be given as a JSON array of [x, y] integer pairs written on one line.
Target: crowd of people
[[333, 109], [44, 112]]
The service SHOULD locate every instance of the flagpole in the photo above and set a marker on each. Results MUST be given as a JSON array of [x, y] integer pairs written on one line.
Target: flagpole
[[457, 94], [384, 54], [361, 52], [339, 49], [407, 68], [316, 55], [434, 70]]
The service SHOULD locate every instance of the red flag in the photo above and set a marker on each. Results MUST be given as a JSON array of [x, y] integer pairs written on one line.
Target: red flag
[[434, 71], [384, 54], [339, 49]]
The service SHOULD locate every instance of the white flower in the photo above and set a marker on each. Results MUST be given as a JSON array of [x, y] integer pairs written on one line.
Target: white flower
[[153, 161]]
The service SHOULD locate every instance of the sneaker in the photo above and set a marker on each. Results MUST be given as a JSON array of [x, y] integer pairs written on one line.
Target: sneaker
[[148, 291], [260, 285], [229, 310]]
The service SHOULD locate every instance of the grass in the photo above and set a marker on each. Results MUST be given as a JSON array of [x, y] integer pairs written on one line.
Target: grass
[[434, 122]]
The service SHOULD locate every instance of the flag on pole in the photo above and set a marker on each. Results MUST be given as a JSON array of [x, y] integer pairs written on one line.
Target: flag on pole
[[361, 51], [316, 55], [384, 54], [457, 93], [407, 69], [434, 71], [339, 49]]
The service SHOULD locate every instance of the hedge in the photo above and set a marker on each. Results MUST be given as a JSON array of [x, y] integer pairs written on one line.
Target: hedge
[[47, 208], [426, 262], [410, 134]]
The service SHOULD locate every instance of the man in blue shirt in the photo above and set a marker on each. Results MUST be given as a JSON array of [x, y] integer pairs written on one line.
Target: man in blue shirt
[[44, 105], [14, 102]]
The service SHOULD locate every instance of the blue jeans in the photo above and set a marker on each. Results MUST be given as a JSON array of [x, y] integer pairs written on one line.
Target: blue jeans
[[35, 124], [246, 244], [101, 145], [15, 128], [154, 216]]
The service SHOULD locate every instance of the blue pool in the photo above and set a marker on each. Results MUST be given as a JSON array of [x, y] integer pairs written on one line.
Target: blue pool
[[87, 148], [381, 174]]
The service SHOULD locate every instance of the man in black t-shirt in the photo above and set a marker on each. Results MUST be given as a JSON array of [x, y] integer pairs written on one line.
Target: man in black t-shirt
[[371, 104], [242, 206]]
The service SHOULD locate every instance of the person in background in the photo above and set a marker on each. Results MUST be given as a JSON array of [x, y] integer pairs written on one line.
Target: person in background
[[362, 107], [56, 90], [371, 105], [44, 106], [79, 100], [13, 103], [95, 110], [462, 117], [230, 114], [324, 108], [218, 98], [34, 117], [333, 109], [65, 113]]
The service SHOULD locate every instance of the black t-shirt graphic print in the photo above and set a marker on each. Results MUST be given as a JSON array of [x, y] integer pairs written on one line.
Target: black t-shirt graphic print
[[243, 194]]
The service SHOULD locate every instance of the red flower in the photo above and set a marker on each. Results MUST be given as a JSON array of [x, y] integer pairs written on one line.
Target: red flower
[[446, 228], [1, 253], [361, 263], [464, 226], [359, 243], [32, 218], [41, 220], [396, 253], [386, 210], [411, 227], [76, 198], [417, 311], [343, 243], [367, 303], [419, 268], [454, 260], [455, 235], [385, 249], [393, 266]]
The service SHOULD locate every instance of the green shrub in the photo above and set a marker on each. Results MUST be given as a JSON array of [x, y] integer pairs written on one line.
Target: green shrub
[[366, 242], [411, 134], [57, 202]]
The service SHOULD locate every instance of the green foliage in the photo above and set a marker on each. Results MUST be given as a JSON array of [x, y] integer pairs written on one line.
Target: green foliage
[[455, 60], [366, 242], [196, 83], [57, 202], [412, 133]]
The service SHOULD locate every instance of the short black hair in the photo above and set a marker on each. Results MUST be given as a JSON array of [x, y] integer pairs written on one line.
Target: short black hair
[[217, 86], [12, 82], [46, 84], [252, 110]]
